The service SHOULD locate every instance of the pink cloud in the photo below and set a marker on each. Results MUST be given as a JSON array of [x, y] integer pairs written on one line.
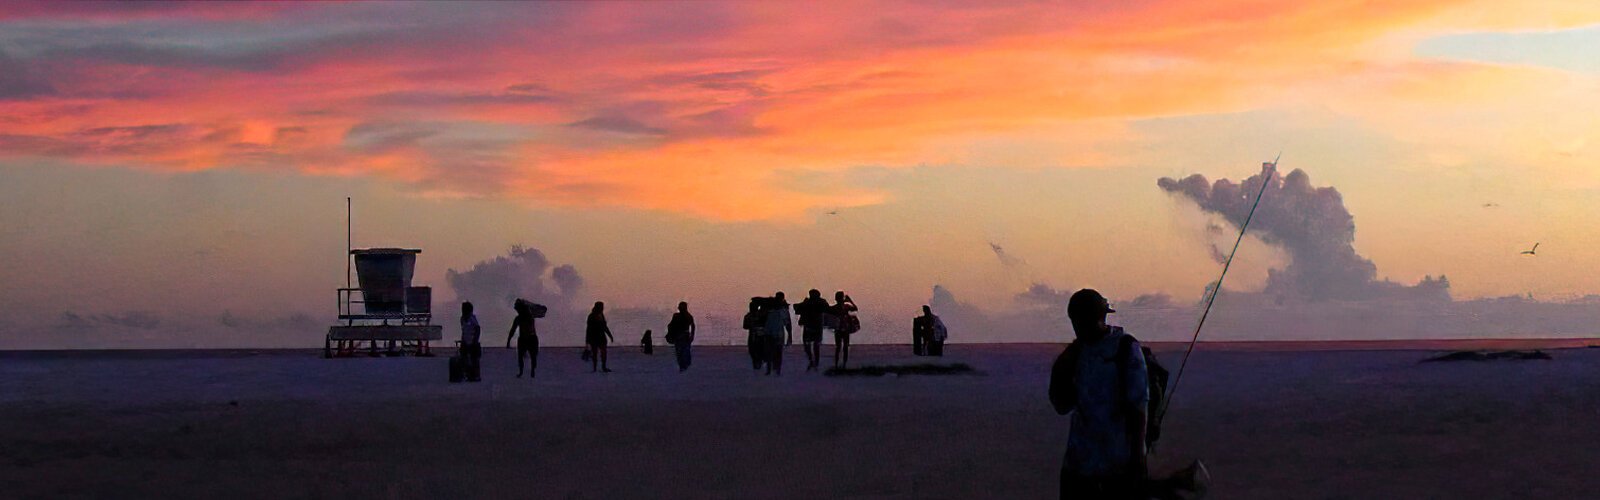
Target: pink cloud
[[697, 109]]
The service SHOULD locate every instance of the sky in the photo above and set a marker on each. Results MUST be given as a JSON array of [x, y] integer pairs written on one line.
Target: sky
[[174, 174]]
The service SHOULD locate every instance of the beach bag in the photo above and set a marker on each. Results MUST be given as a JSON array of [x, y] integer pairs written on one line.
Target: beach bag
[[587, 355], [849, 324], [1156, 378], [940, 333], [536, 310]]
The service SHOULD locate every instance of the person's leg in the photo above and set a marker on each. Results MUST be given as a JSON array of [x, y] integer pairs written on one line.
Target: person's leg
[[776, 360], [845, 362], [533, 358], [766, 353], [594, 358], [604, 365], [806, 345], [839, 346], [520, 349], [753, 343]]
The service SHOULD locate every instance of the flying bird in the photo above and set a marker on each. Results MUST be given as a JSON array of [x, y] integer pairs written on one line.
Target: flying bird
[[1491, 205], [831, 212], [1534, 251]]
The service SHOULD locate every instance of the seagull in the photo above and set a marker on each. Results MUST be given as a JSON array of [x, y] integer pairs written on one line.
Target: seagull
[[831, 212], [1535, 250], [1491, 205]]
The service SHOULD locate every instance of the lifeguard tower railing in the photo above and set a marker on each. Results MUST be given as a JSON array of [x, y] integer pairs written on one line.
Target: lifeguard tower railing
[[415, 309]]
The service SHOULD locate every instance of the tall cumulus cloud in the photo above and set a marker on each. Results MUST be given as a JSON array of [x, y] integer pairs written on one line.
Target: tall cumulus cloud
[[1309, 223]]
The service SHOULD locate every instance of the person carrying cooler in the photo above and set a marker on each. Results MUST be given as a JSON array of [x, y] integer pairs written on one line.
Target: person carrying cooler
[[527, 337], [812, 312]]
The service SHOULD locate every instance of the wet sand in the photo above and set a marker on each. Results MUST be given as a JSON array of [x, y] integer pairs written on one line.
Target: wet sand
[[1273, 423]]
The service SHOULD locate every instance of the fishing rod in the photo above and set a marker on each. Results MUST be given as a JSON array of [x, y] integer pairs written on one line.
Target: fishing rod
[[1216, 289]]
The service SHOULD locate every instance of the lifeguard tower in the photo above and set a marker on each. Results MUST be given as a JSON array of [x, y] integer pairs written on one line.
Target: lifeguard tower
[[393, 317]]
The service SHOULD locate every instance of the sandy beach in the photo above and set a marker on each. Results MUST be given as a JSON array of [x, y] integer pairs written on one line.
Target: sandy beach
[[287, 424]]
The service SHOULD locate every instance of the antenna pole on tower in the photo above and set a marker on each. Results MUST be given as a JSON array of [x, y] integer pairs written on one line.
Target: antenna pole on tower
[[347, 241]]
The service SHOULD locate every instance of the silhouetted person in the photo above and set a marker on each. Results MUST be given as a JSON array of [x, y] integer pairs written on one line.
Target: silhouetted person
[[778, 326], [1101, 380], [596, 335], [647, 343], [680, 333], [929, 330], [780, 302], [812, 312], [527, 338], [844, 309], [921, 330], [471, 349], [755, 322]]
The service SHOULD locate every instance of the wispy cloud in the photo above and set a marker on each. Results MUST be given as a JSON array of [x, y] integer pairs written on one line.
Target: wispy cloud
[[587, 104]]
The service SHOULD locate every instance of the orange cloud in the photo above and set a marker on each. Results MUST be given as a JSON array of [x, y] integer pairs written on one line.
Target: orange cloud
[[711, 110]]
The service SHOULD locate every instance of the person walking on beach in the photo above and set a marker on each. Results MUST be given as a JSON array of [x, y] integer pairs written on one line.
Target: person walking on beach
[[1101, 381], [780, 302], [680, 333], [755, 322], [596, 335], [779, 325], [648, 343], [929, 331], [527, 337], [844, 309], [812, 312], [471, 349]]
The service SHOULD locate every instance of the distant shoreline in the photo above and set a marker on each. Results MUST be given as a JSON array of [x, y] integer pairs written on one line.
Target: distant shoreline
[[1226, 345]]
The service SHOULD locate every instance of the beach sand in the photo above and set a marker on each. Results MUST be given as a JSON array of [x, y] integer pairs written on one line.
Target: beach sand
[[287, 424]]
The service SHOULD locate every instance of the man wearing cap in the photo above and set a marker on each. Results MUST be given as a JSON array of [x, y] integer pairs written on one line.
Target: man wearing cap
[[1103, 386]]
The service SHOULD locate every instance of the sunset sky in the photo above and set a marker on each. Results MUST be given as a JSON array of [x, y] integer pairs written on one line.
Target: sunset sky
[[172, 161]]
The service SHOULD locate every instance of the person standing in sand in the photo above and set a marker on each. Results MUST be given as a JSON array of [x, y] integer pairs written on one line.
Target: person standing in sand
[[930, 332], [596, 335], [471, 349], [778, 326], [844, 310], [527, 338], [680, 333], [1101, 382], [811, 312]]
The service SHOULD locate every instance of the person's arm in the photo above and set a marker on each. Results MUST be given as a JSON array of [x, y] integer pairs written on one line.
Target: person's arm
[[608, 333], [1138, 401], [692, 328], [1061, 396], [511, 333]]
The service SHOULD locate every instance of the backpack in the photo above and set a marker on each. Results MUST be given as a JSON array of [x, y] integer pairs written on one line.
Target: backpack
[[1064, 397]]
